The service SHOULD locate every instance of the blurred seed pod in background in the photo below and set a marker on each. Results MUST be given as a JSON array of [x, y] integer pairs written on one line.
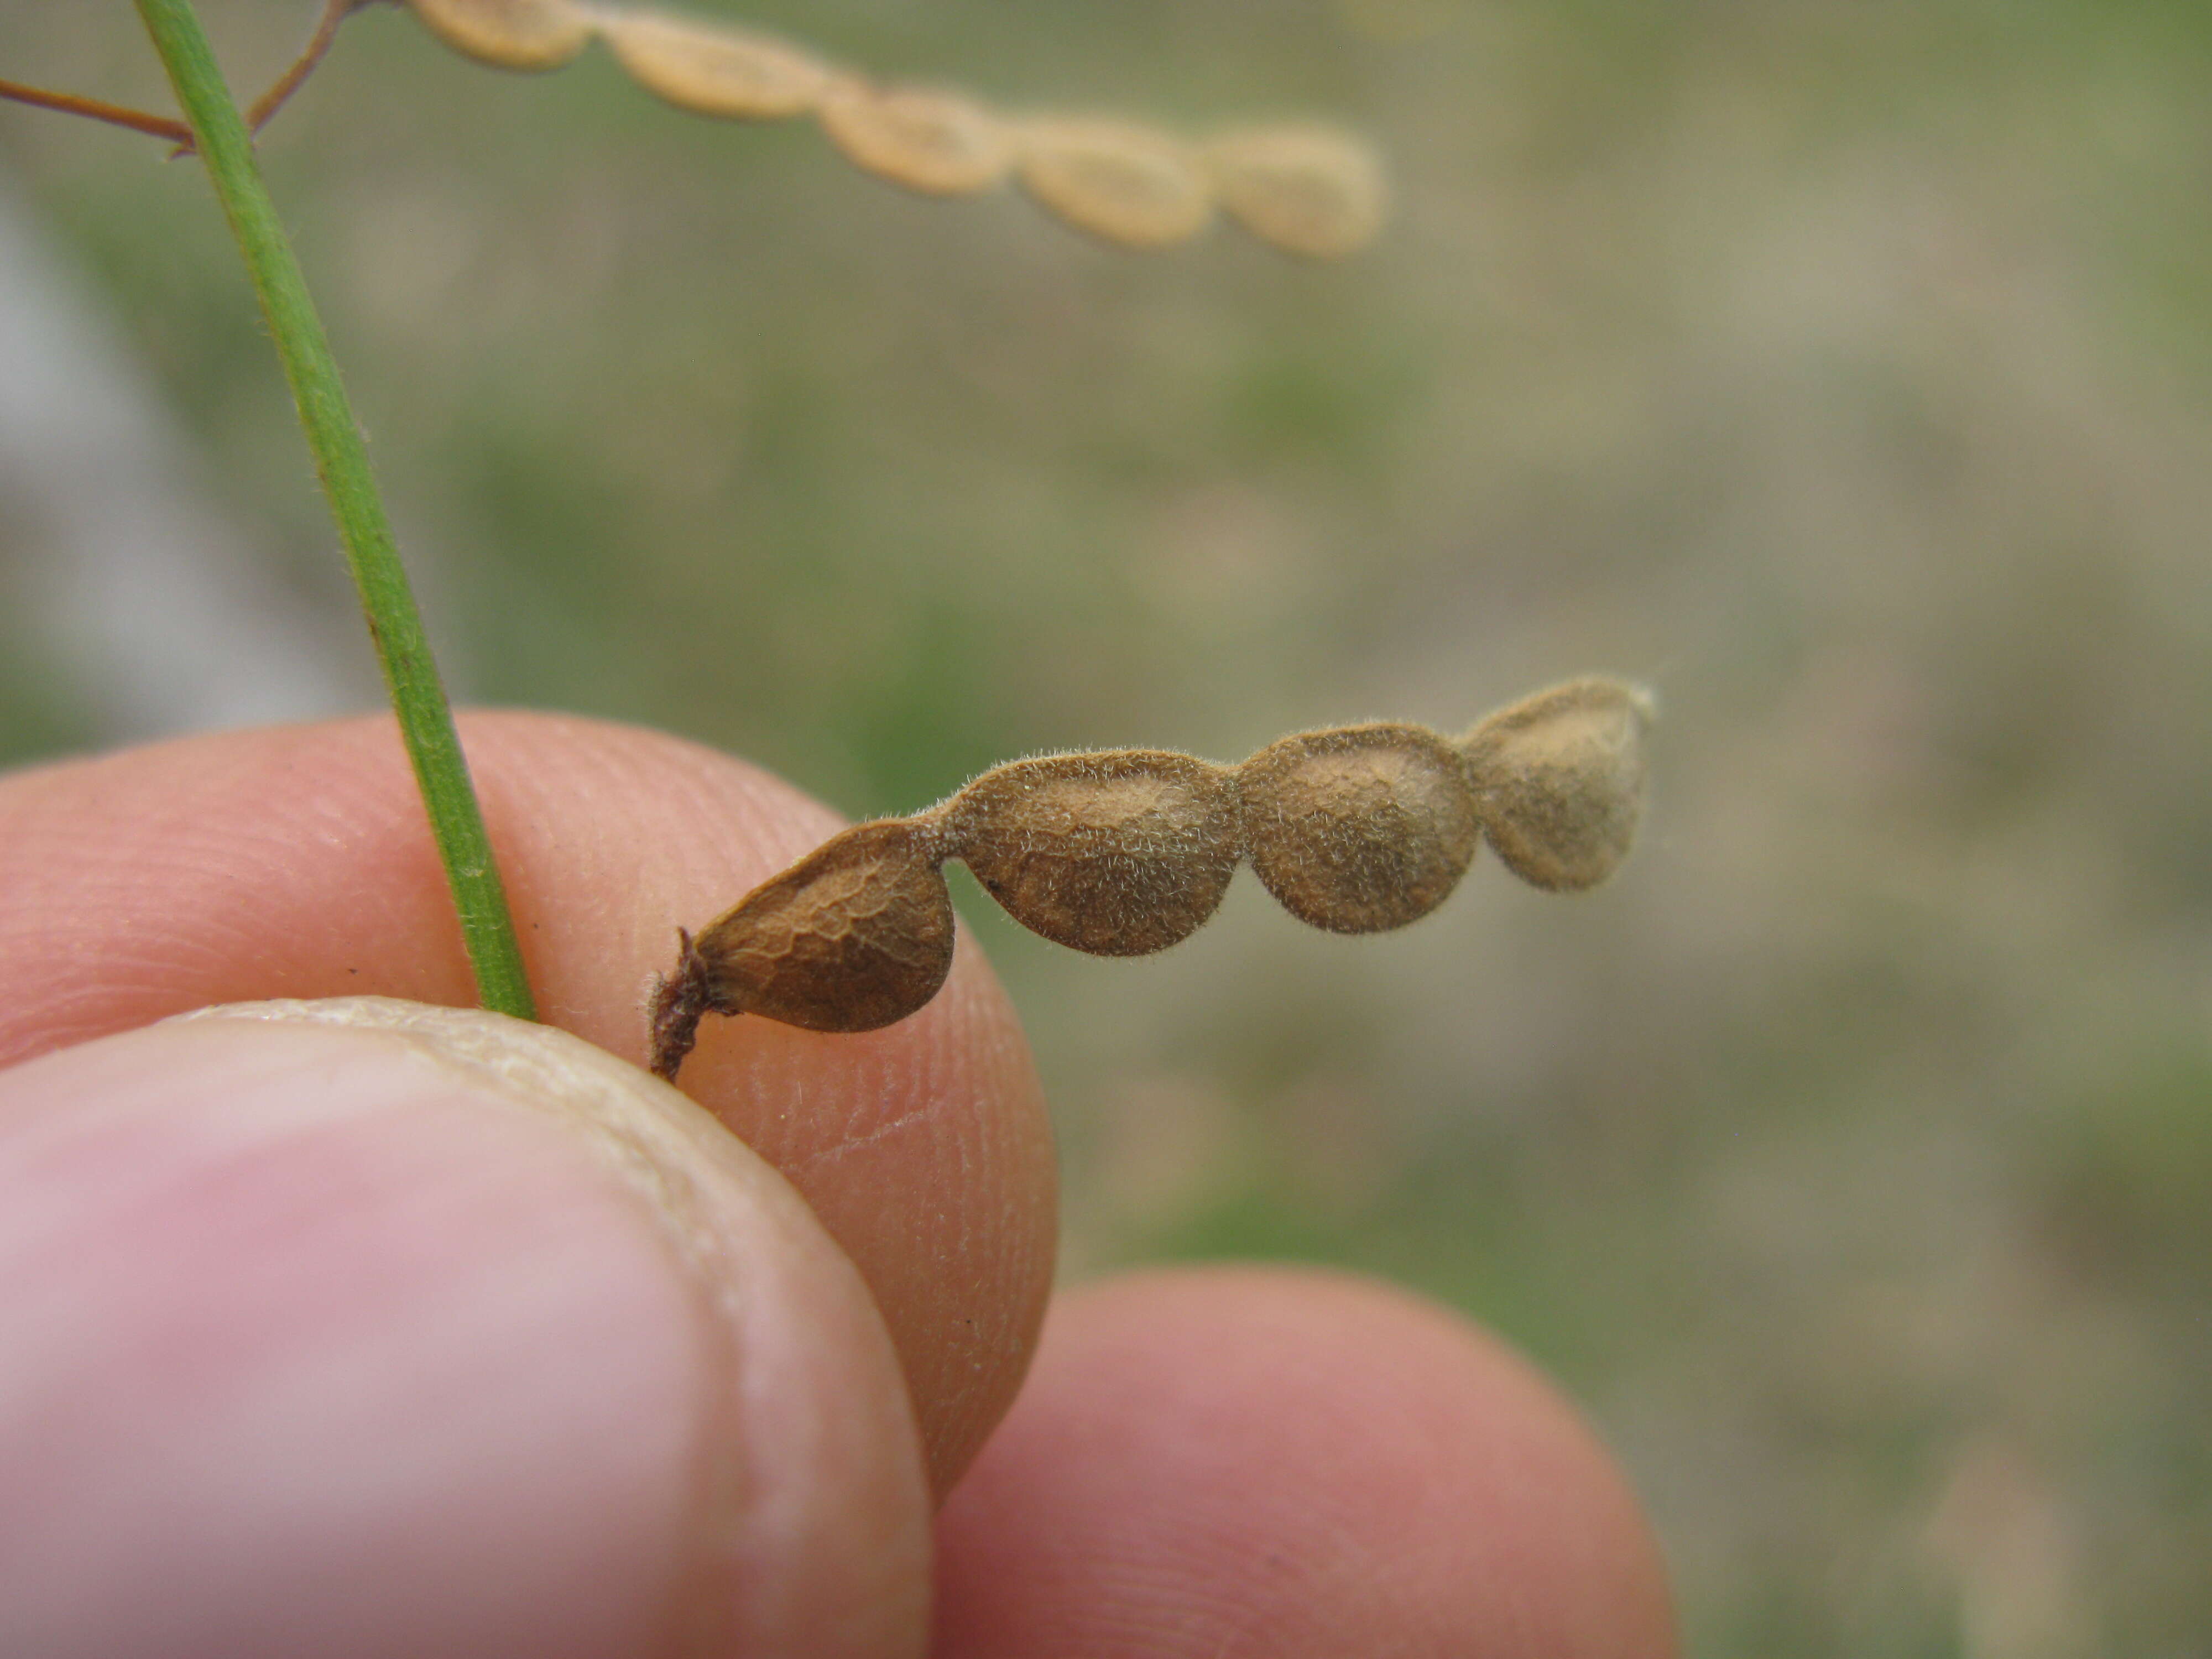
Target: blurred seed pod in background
[[1312, 190], [1126, 183], [938, 143], [715, 71], [516, 34]]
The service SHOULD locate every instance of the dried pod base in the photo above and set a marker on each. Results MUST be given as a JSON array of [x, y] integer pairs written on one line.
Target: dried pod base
[[679, 1002]]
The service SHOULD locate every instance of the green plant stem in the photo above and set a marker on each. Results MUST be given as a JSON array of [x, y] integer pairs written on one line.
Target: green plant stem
[[426, 722]]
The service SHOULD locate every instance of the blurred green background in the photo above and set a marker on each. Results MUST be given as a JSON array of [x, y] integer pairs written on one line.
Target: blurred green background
[[1844, 370]]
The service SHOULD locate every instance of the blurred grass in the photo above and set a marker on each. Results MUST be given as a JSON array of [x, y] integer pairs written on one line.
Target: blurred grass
[[1846, 370]]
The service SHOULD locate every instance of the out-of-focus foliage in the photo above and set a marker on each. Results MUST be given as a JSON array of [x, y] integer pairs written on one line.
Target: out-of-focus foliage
[[1844, 370]]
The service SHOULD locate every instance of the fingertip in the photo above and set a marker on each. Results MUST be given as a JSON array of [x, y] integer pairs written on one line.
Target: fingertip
[[1246, 1461], [373, 1328]]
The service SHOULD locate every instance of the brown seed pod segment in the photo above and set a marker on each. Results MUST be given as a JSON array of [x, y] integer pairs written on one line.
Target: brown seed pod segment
[[733, 73], [1118, 852], [1360, 829], [516, 34], [856, 935], [1309, 190], [1558, 779], [1129, 184], [937, 142]]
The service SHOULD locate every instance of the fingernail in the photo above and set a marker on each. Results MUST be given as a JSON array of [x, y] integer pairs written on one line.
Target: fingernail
[[364, 1327]]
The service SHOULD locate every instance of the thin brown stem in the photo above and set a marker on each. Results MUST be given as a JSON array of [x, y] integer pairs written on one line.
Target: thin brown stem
[[335, 12], [257, 114], [99, 109]]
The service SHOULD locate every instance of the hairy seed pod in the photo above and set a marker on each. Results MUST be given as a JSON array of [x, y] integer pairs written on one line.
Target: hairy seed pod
[[1559, 779], [1126, 851], [715, 71], [1360, 829], [1129, 184], [516, 34], [1309, 190], [1118, 852], [855, 935], [937, 142]]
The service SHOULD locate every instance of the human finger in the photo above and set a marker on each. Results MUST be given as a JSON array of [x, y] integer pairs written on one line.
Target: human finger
[[362, 1328], [294, 862], [1244, 1462]]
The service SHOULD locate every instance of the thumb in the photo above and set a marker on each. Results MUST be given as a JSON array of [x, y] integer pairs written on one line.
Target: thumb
[[368, 1328]]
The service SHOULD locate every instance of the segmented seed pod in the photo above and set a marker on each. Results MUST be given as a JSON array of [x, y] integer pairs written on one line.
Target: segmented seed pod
[[1129, 184], [1359, 829], [1118, 852], [1558, 779], [1308, 189], [516, 34], [710, 70], [937, 142], [856, 935]]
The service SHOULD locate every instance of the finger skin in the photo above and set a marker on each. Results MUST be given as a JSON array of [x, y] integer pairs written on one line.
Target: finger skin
[[332, 1341], [1243, 1462], [294, 862]]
